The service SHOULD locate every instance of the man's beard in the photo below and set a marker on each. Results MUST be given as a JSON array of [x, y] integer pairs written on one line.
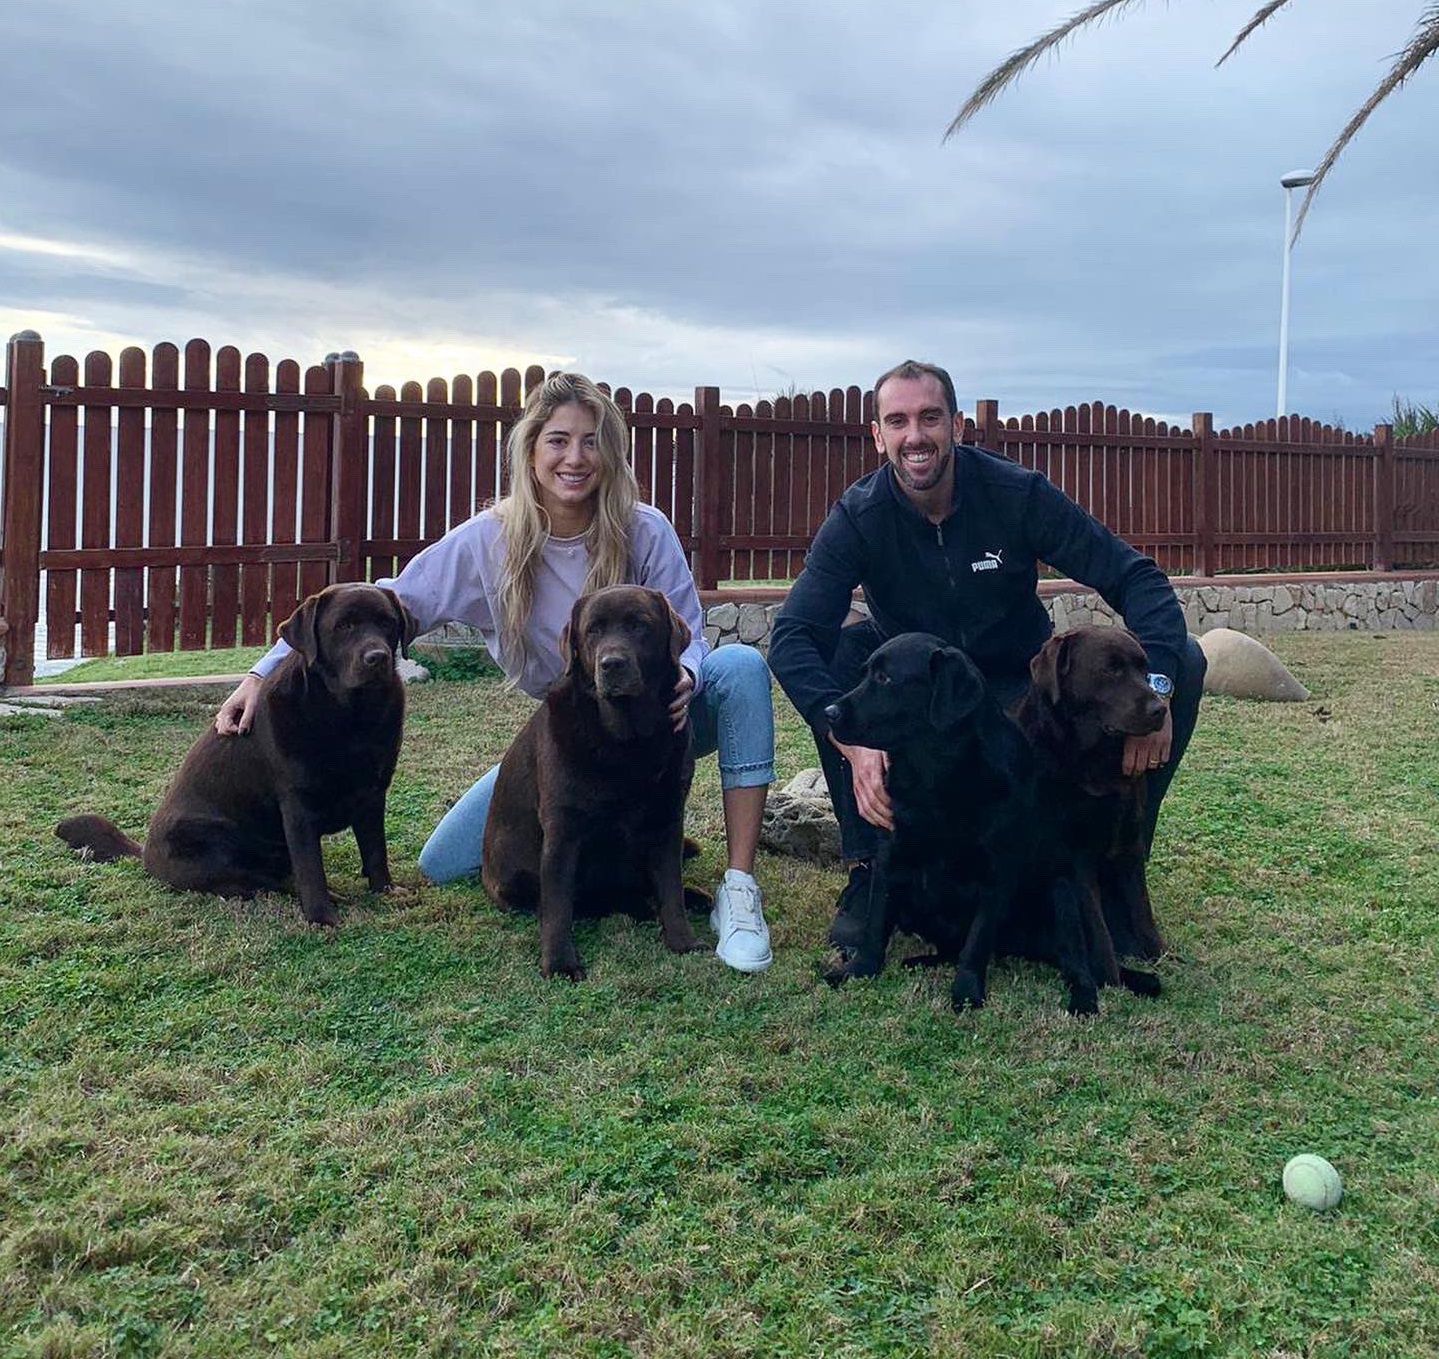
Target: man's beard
[[925, 480]]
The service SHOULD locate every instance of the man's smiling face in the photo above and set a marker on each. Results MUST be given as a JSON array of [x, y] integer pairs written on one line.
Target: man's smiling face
[[915, 429]]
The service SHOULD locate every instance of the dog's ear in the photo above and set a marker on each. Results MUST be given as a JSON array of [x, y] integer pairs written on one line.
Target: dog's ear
[[679, 631], [300, 631], [954, 690], [409, 628], [570, 637], [1049, 667]]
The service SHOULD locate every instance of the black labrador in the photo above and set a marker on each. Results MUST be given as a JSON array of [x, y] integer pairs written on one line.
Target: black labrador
[[245, 814], [969, 862], [588, 811]]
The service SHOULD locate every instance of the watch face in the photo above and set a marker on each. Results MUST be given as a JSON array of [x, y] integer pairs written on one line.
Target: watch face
[[1162, 685]]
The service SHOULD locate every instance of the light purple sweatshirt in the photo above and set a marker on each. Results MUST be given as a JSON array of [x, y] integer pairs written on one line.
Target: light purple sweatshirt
[[456, 580]]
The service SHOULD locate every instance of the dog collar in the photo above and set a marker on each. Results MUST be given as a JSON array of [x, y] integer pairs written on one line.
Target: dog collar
[[1162, 685]]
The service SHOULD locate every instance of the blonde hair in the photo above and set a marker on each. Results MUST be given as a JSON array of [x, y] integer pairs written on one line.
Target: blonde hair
[[525, 526]]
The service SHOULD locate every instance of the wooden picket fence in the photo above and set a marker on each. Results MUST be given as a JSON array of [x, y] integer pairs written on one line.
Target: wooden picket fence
[[191, 499]]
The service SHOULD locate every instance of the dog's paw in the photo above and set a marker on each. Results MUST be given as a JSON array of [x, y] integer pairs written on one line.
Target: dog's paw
[[571, 968], [1141, 983], [325, 916], [842, 964], [683, 943], [1083, 1000], [691, 848], [967, 991]]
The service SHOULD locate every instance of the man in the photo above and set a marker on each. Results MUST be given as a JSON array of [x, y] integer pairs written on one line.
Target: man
[[945, 538]]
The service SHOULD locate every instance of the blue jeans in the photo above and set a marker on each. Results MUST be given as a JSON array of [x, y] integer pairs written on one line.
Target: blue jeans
[[732, 715]]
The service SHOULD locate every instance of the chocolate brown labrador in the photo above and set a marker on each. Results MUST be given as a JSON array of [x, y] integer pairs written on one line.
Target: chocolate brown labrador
[[245, 814], [588, 811], [1090, 690]]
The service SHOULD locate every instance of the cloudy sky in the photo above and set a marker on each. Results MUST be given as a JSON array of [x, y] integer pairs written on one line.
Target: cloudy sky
[[748, 193]]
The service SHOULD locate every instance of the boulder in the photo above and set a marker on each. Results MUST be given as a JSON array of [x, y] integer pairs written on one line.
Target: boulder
[[799, 821], [809, 783], [1241, 667]]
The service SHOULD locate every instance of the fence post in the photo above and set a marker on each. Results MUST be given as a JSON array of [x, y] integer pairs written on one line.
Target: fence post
[[348, 464], [709, 486], [1204, 493], [986, 422], [1384, 472], [23, 488]]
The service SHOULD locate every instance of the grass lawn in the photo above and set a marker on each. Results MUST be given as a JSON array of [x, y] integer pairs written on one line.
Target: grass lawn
[[160, 665], [223, 1133]]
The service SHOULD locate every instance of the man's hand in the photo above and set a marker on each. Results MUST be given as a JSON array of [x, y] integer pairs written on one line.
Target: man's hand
[[867, 769], [237, 713], [1143, 753], [680, 703]]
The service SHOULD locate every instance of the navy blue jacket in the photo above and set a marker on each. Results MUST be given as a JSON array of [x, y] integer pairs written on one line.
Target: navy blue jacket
[[971, 579]]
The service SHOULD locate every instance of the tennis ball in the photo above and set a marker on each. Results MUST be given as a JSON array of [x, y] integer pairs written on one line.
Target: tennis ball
[[1311, 1181]]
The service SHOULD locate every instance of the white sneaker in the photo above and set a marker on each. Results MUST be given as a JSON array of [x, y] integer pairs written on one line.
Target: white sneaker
[[738, 920]]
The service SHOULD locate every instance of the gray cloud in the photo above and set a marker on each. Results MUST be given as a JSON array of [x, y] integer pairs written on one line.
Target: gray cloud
[[743, 193]]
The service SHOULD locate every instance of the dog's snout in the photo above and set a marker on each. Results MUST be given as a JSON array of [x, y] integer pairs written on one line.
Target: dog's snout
[[612, 661], [832, 713], [376, 657]]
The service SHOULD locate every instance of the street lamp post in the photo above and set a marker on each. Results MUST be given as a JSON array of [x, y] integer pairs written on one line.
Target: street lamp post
[[1296, 179]]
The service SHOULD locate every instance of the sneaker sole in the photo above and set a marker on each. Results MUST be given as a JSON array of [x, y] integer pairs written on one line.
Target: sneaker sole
[[758, 965]]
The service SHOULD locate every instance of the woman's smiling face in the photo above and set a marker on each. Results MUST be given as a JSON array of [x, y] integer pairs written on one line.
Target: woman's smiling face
[[566, 464]]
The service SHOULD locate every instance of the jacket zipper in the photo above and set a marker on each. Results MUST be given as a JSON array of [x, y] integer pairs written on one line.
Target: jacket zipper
[[948, 565], [953, 586]]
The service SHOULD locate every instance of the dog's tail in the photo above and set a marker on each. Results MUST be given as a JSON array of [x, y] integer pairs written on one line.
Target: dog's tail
[[103, 840]]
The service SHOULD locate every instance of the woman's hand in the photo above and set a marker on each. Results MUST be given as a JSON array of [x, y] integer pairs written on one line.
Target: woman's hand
[[237, 713], [867, 770], [680, 704], [1145, 753]]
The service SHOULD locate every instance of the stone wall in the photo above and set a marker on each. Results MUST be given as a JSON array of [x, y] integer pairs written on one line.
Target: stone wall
[[1291, 606], [1252, 604]]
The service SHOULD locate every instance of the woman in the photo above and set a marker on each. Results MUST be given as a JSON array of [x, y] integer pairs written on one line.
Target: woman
[[573, 522]]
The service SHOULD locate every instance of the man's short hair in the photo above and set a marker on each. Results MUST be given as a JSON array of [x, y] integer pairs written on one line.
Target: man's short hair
[[911, 369]]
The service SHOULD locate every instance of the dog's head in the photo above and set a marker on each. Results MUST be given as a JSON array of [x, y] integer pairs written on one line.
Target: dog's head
[[625, 642], [914, 687], [352, 633], [1097, 681]]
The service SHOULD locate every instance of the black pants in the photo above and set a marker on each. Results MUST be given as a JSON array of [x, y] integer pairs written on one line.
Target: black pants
[[860, 840]]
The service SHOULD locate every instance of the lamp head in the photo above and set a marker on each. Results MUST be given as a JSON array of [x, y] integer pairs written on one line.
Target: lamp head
[[1297, 179]]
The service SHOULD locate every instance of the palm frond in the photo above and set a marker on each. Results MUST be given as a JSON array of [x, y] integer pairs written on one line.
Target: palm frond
[[1013, 66], [1261, 17], [1421, 46]]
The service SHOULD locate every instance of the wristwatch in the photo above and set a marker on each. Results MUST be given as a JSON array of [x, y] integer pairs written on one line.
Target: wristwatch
[[1163, 686]]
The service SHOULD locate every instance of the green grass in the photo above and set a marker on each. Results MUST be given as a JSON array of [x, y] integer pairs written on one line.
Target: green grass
[[161, 665], [443, 662], [222, 1133]]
